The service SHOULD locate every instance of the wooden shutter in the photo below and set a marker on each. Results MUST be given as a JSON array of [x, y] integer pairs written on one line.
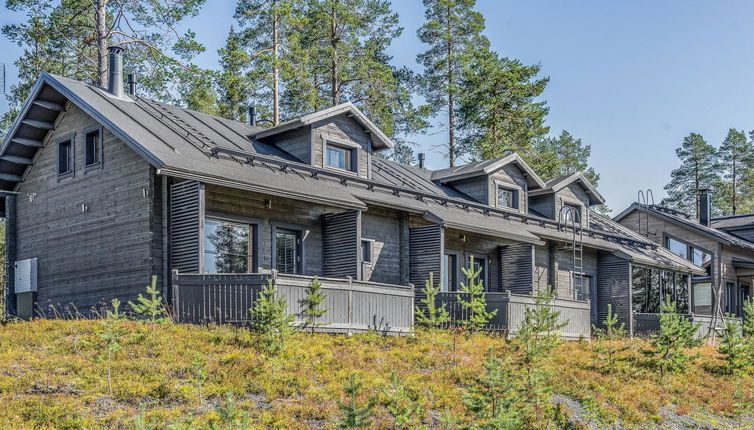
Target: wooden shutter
[[613, 287], [516, 271], [425, 256], [341, 234], [186, 226]]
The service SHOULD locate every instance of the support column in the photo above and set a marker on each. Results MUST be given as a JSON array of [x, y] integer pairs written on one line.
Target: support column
[[404, 251], [10, 253]]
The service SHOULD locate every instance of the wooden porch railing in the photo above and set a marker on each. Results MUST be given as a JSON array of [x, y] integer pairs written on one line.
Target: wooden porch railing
[[647, 323], [353, 306], [511, 309]]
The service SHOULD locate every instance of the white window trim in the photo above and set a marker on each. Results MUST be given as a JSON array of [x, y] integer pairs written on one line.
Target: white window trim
[[510, 186], [344, 144]]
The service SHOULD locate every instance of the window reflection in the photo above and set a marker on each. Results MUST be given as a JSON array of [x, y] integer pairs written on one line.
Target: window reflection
[[226, 247]]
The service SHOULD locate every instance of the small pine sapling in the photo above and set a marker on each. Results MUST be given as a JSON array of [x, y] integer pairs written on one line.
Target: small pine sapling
[[355, 413], [747, 325], [475, 301], [429, 314], [313, 309], [270, 319], [607, 350], [231, 416], [403, 406], [110, 334], [494, 397], [153, 307], [734, 348], [198, 375], [677, 333]]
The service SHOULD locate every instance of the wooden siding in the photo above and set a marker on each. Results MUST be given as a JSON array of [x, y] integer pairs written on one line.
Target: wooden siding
[[565, 269], [352, 306], [613, 288], [544, 204], [186, 226], [471, 244], [296, 142], [426, 250], [516, 271], [384, 228], [340, 238], [478, 188], [342, 128], [91, 231]]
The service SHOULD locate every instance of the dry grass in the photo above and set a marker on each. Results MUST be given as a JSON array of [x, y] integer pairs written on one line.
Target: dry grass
[[49, 377]]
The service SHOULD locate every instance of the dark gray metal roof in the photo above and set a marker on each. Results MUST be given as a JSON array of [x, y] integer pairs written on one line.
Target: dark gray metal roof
[[556, 184], [477, 168], [734, 222]]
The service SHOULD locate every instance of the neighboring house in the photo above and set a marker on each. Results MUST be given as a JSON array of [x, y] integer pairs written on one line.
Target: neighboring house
[[722, 246], [105, 189]]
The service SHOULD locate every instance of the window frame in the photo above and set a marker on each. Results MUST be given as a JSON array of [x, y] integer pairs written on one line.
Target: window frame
[[100, 134], [513, 193], [485, 272], [352, 154], [370, 243], [301, 233], [690, 254], [71, 140], [254, 242], [453, 278]]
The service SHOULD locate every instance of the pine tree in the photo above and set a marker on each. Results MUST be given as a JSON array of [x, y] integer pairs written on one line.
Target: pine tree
[[270, 319], [355, 413], [563, 155], [474, 300], [606, 348], [535, 340], [312, 305], [231, 416], [71, 38], [429, 314], [735, 349], [677, 333], [498, 113], [403, 405], [747, 325], [736, 157], [152, 307], [493, 399], [110, 334], [452, 31], [232, 82], [698, 170]]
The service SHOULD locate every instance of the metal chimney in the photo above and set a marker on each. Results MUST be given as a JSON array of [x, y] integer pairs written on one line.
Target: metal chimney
[[705, 207], [421, 156], [252, 115], [131, 84], [115, 78]]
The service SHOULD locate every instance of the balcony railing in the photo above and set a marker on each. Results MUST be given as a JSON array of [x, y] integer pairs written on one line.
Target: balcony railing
[[353, 306]]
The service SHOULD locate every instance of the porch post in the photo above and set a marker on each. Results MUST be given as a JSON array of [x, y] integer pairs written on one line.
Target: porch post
[[10, 253]]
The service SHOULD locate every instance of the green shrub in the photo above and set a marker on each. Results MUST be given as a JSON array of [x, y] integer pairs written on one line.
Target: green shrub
[[355, 413], [735, 349], [153, 307], [403, 406], [430, 315], [270, 319], [493, 398], [312, 305], [607, 351], [747, 326], [677, 333]]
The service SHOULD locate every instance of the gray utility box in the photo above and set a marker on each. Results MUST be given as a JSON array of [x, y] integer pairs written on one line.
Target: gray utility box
[[25, 282], [26, 276]]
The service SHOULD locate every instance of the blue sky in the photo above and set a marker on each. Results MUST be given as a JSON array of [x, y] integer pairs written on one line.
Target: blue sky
[[630, 78]]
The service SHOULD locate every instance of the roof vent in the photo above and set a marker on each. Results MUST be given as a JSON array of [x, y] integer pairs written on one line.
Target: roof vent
[[705, 207], [115, 66], [252, 115], [132, 84], [421, 156]]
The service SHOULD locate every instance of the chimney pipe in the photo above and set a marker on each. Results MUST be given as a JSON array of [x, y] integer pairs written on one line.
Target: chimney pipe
[[420, 156], [705, 207], [115, 78], [131, 84], [253, 115]]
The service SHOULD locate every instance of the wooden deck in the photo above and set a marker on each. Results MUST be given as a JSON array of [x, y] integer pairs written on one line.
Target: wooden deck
[[354, 306], [511, 309]]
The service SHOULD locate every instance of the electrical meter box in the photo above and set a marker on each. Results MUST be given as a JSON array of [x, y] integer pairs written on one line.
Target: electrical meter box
[[26, 276]]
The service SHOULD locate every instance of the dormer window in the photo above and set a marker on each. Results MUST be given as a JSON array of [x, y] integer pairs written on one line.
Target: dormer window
[[507, 197], [573, 213], [341, 155]]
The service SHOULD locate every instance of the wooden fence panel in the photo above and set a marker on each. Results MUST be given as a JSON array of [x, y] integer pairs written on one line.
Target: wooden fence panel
[[575, 314]]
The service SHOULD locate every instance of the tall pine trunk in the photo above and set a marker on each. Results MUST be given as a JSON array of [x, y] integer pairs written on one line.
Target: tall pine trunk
[[275, 66], [334, 55], [101, 28], [451, 100]]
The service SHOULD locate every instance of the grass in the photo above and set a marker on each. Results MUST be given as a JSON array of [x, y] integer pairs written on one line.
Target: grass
[[179, 375]]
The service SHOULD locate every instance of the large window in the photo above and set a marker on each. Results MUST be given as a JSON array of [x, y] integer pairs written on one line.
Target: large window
[[287, 251], [227, 246], [449, 273], [698, 256], [702, 297], [506, 198], [651, 287], [65, 157], [93, 148], [677, 247]]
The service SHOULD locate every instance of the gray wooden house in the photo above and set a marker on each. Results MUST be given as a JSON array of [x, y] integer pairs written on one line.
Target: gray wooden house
[[723, 247], [104, 189]]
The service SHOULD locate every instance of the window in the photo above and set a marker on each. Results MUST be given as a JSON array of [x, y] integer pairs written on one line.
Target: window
[[93, 148], [227, 247], [573, 213], [506, 198], [338, 157], [65, 157], [450, 273], [702, 298], [287, 251], [475, 262], [731, 298], [677, 247], [651, 287], [367, 247], [701, 258]]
